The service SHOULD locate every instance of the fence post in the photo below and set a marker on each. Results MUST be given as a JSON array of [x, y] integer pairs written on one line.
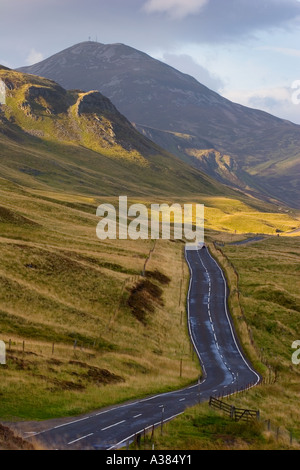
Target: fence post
[[137, 440], [277, 433], [180, 289], [152, 433]]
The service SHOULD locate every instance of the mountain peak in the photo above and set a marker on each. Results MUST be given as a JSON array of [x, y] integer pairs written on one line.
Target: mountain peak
[[90, 51]]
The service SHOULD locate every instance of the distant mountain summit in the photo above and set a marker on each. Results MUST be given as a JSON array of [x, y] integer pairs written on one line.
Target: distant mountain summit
[[133, 80], [245, 148]]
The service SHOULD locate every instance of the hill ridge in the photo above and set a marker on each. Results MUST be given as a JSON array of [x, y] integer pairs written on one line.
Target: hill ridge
[[53, 136]]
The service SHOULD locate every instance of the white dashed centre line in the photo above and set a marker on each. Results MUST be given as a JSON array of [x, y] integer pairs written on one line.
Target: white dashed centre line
[[80, 439], [113, 425]]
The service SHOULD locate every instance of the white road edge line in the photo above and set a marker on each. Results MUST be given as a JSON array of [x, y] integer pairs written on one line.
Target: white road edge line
[[142, 430], [72, 422]]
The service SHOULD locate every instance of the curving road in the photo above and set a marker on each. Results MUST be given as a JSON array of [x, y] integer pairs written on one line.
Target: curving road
[[248, 240], [224, 366]]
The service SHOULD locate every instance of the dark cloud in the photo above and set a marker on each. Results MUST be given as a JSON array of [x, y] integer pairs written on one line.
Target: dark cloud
[[221, 21], [50, 25], [233, 20]]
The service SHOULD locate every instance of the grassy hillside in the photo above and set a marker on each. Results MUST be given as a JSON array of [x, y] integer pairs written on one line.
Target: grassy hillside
[[253, 168], [60, 288], [79, 142]]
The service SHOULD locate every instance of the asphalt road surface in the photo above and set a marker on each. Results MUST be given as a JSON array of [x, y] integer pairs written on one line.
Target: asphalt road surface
[[248, 240], [225, 370]]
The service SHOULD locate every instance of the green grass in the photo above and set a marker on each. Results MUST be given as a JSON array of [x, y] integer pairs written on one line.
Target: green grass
[[270, 293], [201, 428], [270, 299], [239, 217]]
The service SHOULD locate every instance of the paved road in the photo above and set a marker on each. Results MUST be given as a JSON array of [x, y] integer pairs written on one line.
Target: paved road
[[225, 370], [248, 240], [297, 230]]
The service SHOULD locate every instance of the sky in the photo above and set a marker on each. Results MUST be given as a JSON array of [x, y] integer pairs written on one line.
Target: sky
[[246, 50]]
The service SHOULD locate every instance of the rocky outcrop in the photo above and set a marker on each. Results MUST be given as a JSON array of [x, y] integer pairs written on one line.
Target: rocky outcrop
[[94, 102], [53, 99]]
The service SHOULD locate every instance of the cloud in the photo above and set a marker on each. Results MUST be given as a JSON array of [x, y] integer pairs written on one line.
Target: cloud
[[215, 21], [186, 64], [177, 9], [277, 101], [34, 57], [282, 50]]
